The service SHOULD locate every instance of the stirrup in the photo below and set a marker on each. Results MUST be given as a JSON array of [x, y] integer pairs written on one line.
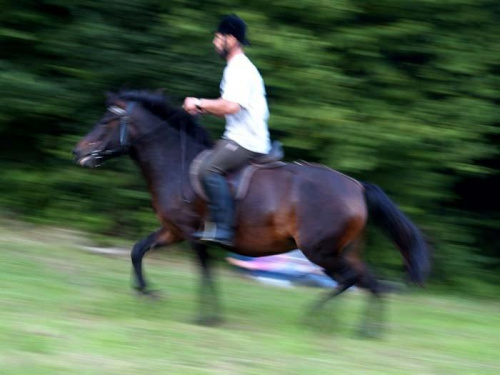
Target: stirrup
[[214, 235]]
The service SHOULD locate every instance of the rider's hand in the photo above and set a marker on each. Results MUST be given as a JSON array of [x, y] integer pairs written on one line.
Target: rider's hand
[[190, 106]]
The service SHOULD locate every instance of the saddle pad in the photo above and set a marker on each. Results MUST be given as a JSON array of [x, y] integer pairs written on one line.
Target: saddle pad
[[239, 180]]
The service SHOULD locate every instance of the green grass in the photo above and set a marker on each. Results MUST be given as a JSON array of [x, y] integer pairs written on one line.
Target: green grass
[[66, 311]]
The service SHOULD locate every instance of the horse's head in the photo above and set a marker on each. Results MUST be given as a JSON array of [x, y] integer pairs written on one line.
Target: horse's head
[[131, 117], [109, 137]]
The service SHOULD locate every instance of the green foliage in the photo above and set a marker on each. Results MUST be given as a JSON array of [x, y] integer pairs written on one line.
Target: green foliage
[[403, 94]]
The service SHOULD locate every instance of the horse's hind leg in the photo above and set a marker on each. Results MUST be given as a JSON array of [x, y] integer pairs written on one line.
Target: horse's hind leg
[[373, 321], [348, 270], [209, 305], [341, 272], [373, 318], [352, 271]]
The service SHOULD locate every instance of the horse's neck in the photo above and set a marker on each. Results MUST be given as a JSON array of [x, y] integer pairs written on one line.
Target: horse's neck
[[164, 162]]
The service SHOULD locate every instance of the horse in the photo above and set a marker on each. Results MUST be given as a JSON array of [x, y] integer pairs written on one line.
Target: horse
[[322, 212]]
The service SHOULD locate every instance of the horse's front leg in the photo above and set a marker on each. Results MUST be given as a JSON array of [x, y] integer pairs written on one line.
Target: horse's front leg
[[161, 237], [209, 313]]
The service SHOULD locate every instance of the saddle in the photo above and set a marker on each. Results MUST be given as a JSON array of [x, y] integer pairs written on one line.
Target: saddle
[[240, 179]]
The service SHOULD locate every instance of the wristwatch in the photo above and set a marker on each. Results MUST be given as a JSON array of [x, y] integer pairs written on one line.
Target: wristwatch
[[197, 103]]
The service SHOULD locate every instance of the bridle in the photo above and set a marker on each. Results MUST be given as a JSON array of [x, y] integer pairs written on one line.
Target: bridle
[[124, 115]]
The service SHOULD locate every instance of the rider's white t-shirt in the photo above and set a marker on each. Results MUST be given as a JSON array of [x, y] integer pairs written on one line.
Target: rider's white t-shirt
[[242, 83]]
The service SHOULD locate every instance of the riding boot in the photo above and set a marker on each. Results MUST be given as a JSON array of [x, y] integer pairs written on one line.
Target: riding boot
[[219, 230]]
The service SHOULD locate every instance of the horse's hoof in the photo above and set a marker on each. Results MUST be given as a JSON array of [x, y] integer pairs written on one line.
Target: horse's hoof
[[153, 295], [208, 321], [369, 334]]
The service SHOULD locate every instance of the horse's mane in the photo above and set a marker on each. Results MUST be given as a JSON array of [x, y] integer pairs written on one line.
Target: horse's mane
[[159, 105]]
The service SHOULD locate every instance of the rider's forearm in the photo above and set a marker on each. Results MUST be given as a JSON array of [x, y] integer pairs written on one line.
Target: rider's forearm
[[218, 107]]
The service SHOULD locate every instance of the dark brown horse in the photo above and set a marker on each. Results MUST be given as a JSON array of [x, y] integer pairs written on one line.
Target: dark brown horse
[[311, 207]]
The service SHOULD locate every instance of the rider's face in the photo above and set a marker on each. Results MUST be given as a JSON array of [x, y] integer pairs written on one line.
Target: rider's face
[[223, 44]]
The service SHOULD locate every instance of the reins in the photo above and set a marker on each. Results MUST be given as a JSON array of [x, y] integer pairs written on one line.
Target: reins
[[183, 161]]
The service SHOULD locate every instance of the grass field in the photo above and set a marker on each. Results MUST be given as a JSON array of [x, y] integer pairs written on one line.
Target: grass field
[[67, 311]]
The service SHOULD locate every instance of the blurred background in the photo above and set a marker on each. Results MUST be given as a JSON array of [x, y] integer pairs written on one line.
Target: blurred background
[[401, 94]]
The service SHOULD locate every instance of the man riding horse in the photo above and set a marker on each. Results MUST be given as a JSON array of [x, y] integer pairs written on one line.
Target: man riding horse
[[243, 104], [296, 205]]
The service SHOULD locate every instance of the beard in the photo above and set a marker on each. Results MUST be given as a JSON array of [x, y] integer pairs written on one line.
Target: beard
[[223, 52]]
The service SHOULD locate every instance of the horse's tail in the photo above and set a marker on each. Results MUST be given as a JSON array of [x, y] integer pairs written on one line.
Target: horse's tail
[[401, 230]]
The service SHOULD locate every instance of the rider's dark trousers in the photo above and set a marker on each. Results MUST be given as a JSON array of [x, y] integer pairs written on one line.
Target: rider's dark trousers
[[227, 156]]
